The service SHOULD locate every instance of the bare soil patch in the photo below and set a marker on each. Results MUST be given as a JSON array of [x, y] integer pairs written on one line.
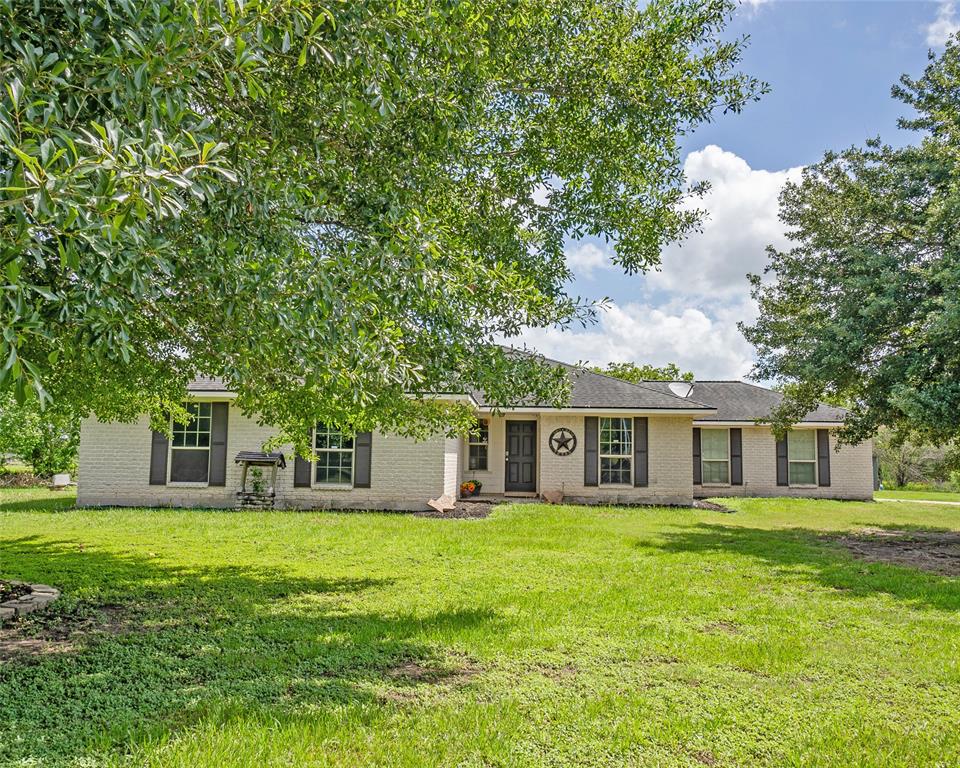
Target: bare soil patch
[[557, 671], [711, 505], [11, 590], [931, 551], [462, 510], [43, 634], [704, 757], [721, 628], [457, 672]]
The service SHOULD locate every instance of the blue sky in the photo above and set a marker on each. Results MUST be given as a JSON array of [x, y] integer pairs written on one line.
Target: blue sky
[[830, 66]]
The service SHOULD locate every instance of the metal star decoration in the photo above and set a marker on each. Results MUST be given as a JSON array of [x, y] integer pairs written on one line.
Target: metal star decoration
[[562, 441]]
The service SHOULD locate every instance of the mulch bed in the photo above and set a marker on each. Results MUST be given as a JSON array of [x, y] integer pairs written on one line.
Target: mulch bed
[[462, 510], [931, 551]]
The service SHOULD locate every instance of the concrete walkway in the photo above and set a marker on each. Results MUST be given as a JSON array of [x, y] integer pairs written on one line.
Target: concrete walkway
[[924, 501]]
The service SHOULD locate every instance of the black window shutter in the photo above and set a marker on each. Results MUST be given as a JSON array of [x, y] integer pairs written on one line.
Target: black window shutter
[[301, 469], [736, 456], [823, 456], [697, 467], [640, 452], [218, 443], [782, 462], [158, 458], [361, 459], [591, 438]]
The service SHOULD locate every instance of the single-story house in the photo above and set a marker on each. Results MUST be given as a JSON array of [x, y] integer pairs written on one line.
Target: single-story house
[[615, 442]]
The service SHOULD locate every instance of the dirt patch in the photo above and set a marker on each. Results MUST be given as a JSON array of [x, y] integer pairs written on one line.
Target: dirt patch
[[711, 505], [50, 633], [462, 510], [721, 628], [456, 672], [557, 671], [11, 590], [930, 551], [704, 757]]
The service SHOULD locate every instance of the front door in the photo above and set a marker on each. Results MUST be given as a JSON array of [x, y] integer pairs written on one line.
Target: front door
[[521, 456]]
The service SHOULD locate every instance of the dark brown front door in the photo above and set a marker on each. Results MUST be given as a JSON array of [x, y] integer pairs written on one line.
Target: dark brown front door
[[521, 456]]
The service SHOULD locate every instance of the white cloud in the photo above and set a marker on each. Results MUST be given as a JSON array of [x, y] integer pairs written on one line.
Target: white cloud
[[688, 312], [741, 220], [711, 347], [945, 26], [585, 258]]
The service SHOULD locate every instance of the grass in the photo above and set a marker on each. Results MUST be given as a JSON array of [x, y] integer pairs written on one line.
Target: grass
[[933, 495], [541, 636]]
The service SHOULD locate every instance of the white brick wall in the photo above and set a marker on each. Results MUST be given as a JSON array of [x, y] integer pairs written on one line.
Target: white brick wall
[[114, 469], [670, 462], [492, 477], [851, 471], [451, 466]]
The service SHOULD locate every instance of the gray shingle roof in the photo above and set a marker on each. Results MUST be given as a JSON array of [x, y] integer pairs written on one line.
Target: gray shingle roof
[[740, 401], [207, 384], [595, 390], [733, 400]]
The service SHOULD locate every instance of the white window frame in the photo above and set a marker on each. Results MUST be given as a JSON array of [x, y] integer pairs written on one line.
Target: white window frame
[[171, 448], [352, 450], [791, 461], [703, 461], [601, 456], [474, 441]]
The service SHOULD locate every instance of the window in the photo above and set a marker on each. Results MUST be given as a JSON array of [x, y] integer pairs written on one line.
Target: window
[[334, 451], [715, 455], [802, 454], [190, 447], [616, 451], [477, 445]]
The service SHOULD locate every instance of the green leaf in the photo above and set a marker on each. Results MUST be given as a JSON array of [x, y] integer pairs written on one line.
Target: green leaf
[[12, 270], [15, 92]]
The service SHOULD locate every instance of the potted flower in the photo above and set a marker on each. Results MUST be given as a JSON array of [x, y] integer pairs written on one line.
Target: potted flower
[[469, 488]]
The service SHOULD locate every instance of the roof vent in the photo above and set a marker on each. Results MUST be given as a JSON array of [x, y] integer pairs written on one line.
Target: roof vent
[[681, 388]]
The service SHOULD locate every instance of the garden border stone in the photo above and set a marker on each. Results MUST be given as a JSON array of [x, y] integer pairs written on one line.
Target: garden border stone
[[39, 596]]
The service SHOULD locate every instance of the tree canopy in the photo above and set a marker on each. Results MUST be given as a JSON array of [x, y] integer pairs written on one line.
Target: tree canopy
[[865, 305], [903, 462], [332, 207], [635, 373], [45, 439]]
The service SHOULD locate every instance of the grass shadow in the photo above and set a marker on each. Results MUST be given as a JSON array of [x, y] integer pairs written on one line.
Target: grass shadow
[[146, 649], [799, 553], [50, 504]]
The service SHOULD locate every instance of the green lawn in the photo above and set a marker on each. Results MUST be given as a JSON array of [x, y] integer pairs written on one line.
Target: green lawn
[[927, 495], [541, 636]]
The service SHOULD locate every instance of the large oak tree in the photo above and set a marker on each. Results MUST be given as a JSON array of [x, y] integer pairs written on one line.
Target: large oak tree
[[864, 308], [332, 206]]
